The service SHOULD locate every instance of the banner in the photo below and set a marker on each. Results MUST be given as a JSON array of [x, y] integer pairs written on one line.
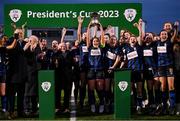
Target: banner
[[65, 15]]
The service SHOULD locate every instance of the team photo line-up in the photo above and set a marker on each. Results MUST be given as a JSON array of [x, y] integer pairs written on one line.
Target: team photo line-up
[[89, 62]]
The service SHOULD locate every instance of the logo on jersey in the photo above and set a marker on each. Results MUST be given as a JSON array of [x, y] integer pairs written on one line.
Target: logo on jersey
[[46, 86], [123, 85], [15, 15], [130, 14]]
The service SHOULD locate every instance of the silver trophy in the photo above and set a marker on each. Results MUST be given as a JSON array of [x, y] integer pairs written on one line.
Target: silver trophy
[[95, 19]]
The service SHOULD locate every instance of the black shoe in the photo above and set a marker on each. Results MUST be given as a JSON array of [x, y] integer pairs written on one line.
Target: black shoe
[[171, 111], [34, 114], [151, 109], [13, 115], [4, 115], [81, 104], [107, 108], [26, 114]]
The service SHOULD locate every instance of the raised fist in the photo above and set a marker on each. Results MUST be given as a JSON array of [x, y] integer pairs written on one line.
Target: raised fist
[[80, 19], [64, 30]]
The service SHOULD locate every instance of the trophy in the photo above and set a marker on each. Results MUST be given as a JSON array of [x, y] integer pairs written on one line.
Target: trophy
[[95, 19]]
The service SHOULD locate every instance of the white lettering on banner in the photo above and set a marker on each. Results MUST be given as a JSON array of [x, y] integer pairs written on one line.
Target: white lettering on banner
[[95, 52], [84, 49], [49, 14], [111, 55], [69, 14], [132, 55], [161, 49], [147, 53]]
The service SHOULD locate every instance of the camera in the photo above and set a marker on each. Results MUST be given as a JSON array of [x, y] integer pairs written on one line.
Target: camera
[[16, 36]]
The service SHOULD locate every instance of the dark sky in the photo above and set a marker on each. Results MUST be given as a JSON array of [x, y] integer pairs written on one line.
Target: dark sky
[[155, 12]]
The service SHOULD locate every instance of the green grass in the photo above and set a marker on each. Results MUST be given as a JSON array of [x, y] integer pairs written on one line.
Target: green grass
[[85, 114]]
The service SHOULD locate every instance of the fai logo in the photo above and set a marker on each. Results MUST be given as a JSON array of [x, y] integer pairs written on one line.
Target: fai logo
[[46, 86], [130, 14], [123, 85], [15, 15]]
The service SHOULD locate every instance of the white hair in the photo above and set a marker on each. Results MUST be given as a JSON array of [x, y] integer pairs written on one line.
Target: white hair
[[35, 38]]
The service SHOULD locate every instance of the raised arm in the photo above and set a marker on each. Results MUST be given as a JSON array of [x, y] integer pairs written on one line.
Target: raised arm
[[13, 26], [12, 45], [23, 29], [176, 25], [88, 36], [102, 35], [63, 35], [80, 21], [141, 32]]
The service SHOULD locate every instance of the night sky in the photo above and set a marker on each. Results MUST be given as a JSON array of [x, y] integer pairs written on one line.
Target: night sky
[[155, 12]]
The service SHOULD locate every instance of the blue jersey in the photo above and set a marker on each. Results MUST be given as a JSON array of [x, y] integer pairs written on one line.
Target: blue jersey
[[134, 56], [2, 61], [164, 53], [149, 56], [95, 58], [110, 55], [83, 52], [75, 52]]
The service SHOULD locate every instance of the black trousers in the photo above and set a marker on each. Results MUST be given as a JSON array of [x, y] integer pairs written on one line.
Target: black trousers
[[30, 104], [63, 81], [177, 85], [12, 89], [66, 86]]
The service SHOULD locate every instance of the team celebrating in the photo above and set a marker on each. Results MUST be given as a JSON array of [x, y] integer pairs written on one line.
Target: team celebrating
[[89, 62]]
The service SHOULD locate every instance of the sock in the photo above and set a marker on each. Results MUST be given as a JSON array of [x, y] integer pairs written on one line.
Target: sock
[[101, 96], [150, 97], [164, 100], [107, 97], [158, 96], [82, 94], [139, 101], [172, 98], [4, 103], [91, 97]]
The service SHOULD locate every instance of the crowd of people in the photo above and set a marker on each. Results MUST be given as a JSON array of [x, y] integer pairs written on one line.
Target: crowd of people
[[89, 63]]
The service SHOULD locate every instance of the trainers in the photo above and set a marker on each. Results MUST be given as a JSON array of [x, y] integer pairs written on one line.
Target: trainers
[[158, 110], [93, 108], [139, 110], [177, 113], [57, 110], [101, 108], [177, 109], [66, 111]]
